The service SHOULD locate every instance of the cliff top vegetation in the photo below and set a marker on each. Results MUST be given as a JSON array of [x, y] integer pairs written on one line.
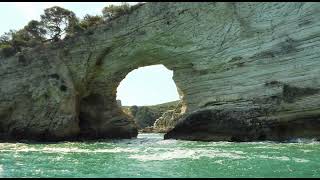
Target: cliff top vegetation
[[57, 24]]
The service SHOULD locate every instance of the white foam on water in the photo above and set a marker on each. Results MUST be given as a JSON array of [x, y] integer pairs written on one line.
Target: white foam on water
[[19, 149], [238, 152], [169, 141], [300, 160], [284, 158], [269, 147], [306, 150], [175, 154], [77, 150], [12, 146], [66, 150], [281, 158], [229, 155], [185, 154], [304, 141], [60, 150], [213, 144], [1, 170], [219, 161], [116, 150]]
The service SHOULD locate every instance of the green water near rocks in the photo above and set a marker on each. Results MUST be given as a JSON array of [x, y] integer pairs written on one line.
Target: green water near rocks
[[151, 156]]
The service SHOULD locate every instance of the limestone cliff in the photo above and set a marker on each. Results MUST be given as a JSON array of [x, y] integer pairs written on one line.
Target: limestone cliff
[[168, 119], [145, 116], [241, 68]]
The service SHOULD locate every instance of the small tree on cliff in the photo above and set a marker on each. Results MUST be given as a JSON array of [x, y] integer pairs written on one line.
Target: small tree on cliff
[[20, 39], [5, 45], [5, 39], [58, 21], [13, 42], [36, 30], [112, 11], [89, 21]]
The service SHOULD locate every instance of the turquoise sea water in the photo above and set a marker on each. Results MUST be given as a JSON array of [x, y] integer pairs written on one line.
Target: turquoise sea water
[[151, 156]]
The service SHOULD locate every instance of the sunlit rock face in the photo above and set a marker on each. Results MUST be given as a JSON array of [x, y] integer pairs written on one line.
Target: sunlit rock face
[[257, 60], [158, 117], [169, 118]]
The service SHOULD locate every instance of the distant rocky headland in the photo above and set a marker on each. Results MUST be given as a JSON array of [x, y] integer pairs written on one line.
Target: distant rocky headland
[[155, 118], [245, 71]]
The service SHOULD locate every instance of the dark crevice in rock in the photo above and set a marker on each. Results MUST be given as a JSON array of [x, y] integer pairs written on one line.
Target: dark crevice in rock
[[273, 83], [5, 115], [102, 55], [63, 88], [90, 115], [22, 59], [290, 93]]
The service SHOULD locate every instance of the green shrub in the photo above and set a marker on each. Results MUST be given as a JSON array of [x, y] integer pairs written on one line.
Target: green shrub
[[56, 22], [112, 11], [7, 50], [89, 21]]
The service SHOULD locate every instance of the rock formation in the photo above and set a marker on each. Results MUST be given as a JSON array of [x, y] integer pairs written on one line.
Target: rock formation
[[168, 119], [145, 116], [243, 70]]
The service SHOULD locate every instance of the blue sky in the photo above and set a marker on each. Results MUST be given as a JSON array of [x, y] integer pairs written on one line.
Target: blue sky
[[144, 86]]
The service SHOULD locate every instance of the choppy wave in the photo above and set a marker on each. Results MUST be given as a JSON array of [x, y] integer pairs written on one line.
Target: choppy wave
[[300, 160], [169, 141], [77, 150], [306, 150], [187, 153], [67, 150], [304, 140], [281, 158]]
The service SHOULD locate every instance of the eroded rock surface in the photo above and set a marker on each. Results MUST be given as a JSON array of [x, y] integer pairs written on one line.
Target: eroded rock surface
[[239, 124], [168, 119], [236, 60], [145, 116]]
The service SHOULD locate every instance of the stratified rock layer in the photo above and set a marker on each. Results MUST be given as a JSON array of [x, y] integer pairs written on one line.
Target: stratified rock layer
[[244, 60]]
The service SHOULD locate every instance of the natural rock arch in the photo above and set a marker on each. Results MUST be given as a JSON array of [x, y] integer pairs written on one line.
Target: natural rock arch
[[94, 112], [256, 60]]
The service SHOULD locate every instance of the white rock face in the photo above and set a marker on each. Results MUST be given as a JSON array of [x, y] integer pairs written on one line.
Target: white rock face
[[224, 56]]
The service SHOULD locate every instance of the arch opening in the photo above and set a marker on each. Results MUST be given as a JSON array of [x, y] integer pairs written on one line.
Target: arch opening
[[147, 86], [147, 93]]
